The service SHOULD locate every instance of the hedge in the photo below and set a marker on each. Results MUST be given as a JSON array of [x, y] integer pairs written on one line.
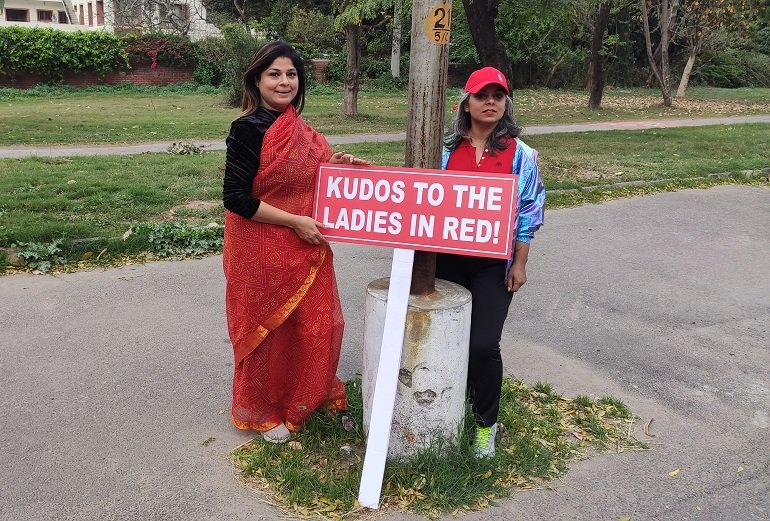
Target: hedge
[[51, 53]]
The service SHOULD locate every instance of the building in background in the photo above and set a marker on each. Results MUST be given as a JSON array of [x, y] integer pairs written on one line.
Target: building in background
[[183, 17], [39, 13]]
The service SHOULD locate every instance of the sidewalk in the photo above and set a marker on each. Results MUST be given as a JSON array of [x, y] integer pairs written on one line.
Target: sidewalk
[[138, 148], [116, 383]]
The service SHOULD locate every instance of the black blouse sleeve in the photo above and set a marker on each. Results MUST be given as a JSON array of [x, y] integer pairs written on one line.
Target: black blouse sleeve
[[244, 145]]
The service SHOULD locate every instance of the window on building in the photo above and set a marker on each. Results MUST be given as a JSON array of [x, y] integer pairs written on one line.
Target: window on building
[[174, 17], [63, 17], [44, 16], [181, 12], [17, 15]]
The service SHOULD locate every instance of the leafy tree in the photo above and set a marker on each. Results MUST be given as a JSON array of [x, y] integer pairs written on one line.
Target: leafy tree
[[245, 10], [700, 21], [481, 16], [312, 29], [535, 33], [668, 13], [351, 15], [461, 48], [160, 16]]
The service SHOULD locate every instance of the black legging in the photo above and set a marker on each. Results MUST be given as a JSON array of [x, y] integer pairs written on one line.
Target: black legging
[[485, 279]]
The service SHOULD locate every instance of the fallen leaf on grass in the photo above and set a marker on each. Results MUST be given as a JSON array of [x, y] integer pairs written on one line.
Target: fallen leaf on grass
[[674, 472], [294, 445]]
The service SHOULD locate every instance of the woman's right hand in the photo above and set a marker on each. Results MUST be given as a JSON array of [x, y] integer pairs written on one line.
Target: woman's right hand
[[307, 229]]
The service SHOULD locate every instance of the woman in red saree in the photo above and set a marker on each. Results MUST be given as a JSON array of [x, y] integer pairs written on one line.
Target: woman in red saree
[[283, 310]]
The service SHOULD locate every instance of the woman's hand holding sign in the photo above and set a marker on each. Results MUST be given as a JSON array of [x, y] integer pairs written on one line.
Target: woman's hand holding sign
[[340, 158], [308, 229]]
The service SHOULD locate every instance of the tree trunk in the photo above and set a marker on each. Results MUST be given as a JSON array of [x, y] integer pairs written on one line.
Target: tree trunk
[[241, 8], [672, 22], [353, 48], [481, 16], [665, 72], [553, 70], [682, 90], [651, 79], [662, 74], [597, 71], [395, 50]]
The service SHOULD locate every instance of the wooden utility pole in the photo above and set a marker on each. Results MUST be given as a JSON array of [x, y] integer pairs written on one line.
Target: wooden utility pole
[[428, 64]]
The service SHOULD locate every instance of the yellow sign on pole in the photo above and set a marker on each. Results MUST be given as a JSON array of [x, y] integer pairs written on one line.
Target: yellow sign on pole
[[438, 23]]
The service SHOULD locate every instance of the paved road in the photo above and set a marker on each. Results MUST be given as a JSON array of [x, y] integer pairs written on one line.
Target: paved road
[[111, 380], [112, 150]]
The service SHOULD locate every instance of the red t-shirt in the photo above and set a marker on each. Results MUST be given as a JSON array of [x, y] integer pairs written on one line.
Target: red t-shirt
[[463, 158]]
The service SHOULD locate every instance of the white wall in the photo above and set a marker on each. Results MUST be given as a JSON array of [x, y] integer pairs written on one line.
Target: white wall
[[32, 6]]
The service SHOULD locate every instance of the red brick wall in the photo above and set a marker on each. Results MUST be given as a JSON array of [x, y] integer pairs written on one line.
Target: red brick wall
[[319, 69], [139, 75]]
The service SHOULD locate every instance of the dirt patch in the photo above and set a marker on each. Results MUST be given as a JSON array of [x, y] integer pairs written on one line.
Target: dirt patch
[[192, 211], [635, 106], [572, 172]]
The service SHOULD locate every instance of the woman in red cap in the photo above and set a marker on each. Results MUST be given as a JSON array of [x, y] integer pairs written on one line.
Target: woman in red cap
[[484, 138]]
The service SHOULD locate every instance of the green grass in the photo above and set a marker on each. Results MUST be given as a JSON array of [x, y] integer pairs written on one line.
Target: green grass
[[102, 117], [318, 473], [61, 116], [97, 199]]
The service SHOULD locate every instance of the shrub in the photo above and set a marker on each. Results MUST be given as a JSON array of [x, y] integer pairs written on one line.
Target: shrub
[[571, 73], [211, 67], [51, 53], [158, 49], [374, 67], [729, 63], [240, 45], [761, 40], [221, 60], [180, 239], [335, 71], [313, 31], [42, 256]]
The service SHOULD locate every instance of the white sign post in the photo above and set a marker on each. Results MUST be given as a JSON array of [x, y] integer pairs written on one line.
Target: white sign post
[[387, 379], [427, 82]]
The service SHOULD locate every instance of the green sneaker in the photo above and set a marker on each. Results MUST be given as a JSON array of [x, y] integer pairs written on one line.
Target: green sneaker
[[484, 444]]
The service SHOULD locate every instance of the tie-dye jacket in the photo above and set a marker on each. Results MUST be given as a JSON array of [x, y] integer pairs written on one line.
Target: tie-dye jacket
[[531, 191]]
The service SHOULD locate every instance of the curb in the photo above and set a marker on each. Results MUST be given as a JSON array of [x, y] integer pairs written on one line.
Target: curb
[[749, 174]]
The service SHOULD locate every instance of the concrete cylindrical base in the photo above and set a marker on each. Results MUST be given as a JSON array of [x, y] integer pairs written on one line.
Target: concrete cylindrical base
[[430, 399]]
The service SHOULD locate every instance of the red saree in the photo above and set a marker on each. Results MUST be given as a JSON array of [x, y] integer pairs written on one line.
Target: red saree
[[283, 310]]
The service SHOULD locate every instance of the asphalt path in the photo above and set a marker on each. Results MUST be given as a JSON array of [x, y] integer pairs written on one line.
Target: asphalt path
[[138, 148], [113, 380]]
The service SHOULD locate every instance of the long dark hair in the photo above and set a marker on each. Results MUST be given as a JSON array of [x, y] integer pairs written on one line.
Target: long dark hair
[[458, 130], [263, 58]]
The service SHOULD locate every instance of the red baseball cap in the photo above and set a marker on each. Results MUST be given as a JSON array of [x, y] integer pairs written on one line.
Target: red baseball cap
[[483, 77]]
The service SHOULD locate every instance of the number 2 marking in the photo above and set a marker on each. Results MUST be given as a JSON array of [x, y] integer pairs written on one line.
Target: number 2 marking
[[442, 13]]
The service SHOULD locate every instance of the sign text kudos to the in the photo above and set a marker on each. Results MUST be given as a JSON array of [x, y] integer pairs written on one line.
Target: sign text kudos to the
[[434, 210]]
